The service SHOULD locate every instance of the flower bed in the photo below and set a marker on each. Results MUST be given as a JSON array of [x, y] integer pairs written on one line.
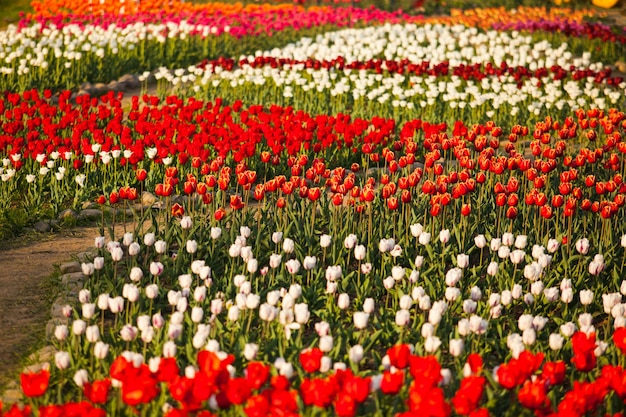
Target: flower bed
[[298, 246]]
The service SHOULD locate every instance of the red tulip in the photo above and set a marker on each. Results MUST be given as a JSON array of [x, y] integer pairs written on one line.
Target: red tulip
[[35, 384]]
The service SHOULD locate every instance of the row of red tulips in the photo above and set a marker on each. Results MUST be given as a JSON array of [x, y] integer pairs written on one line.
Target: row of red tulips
[[418, 381]]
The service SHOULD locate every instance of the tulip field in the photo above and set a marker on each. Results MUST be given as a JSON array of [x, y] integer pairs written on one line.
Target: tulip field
[[354, 211]]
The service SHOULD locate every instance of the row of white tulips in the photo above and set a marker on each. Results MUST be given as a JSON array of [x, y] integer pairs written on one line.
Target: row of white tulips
[[198, 303]]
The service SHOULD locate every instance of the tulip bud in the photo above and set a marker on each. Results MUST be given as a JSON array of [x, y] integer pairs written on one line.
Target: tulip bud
[[432, 343], [343, 301], [517, 291], [81, 377], [355, 354], [191, 246], [186, 223], [156, 268], [160, 246], [359, 252], [480, 241], [288, 245], [586, 297], [128, 333], [87, 269], [463, 327], [325, 241], [250, 351], [92, 333], [61, 332], [389, 283], [326, 343], [309, 262], [568, 329], [100, 350], [456, 347], [416, 229], [402, 317], [216, 232], [233, 313], [169, 349], [492, 269], [397, 272], [78, 327], [158, 321], [444, 236]]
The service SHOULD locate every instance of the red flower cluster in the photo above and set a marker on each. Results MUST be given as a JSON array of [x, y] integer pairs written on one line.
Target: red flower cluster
[[343, 390]]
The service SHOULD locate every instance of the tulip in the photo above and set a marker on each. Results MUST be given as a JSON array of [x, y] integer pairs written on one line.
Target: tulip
[[288, 245], [233, 313], [397, 272], [136, 274], [250, 351], [92, 333], [424, 238], [326, 343], [586, 297], [462, 260], [81, 377], [325, 241], [98, 263], [350, 241], [492, 268], [309, 262], [191, 246], [101, 350], [277, 237], [480, 241], [87, 269], [456, 347], [149, 239], [416, 229], [355, 353], [402, 317], [359, 252], [128, 333], [160, 246], [216, 232], [293, 266], [62, 360], [169, 349], [61, 332], [432, 343], [582, 246], [343, 302]]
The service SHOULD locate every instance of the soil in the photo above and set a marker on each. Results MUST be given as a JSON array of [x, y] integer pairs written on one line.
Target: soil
[[25, 296]]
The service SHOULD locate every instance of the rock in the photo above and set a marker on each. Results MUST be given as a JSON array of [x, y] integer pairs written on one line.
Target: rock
[[81, 93], [56, 311], [621, 66], [45, 354], [36, 367], [89, 205], [147, 198], [12, 396], [85, 257], [117, 87], [70, 267], [42, 226], [67, 214], [131, 81], [72, 277], [86, 86], [90, 214]]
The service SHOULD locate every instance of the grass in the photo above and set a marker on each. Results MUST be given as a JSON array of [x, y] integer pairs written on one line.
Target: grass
[[10, 11]]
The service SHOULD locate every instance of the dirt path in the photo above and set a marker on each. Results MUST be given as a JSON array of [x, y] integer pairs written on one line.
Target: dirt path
[[25, 291]]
